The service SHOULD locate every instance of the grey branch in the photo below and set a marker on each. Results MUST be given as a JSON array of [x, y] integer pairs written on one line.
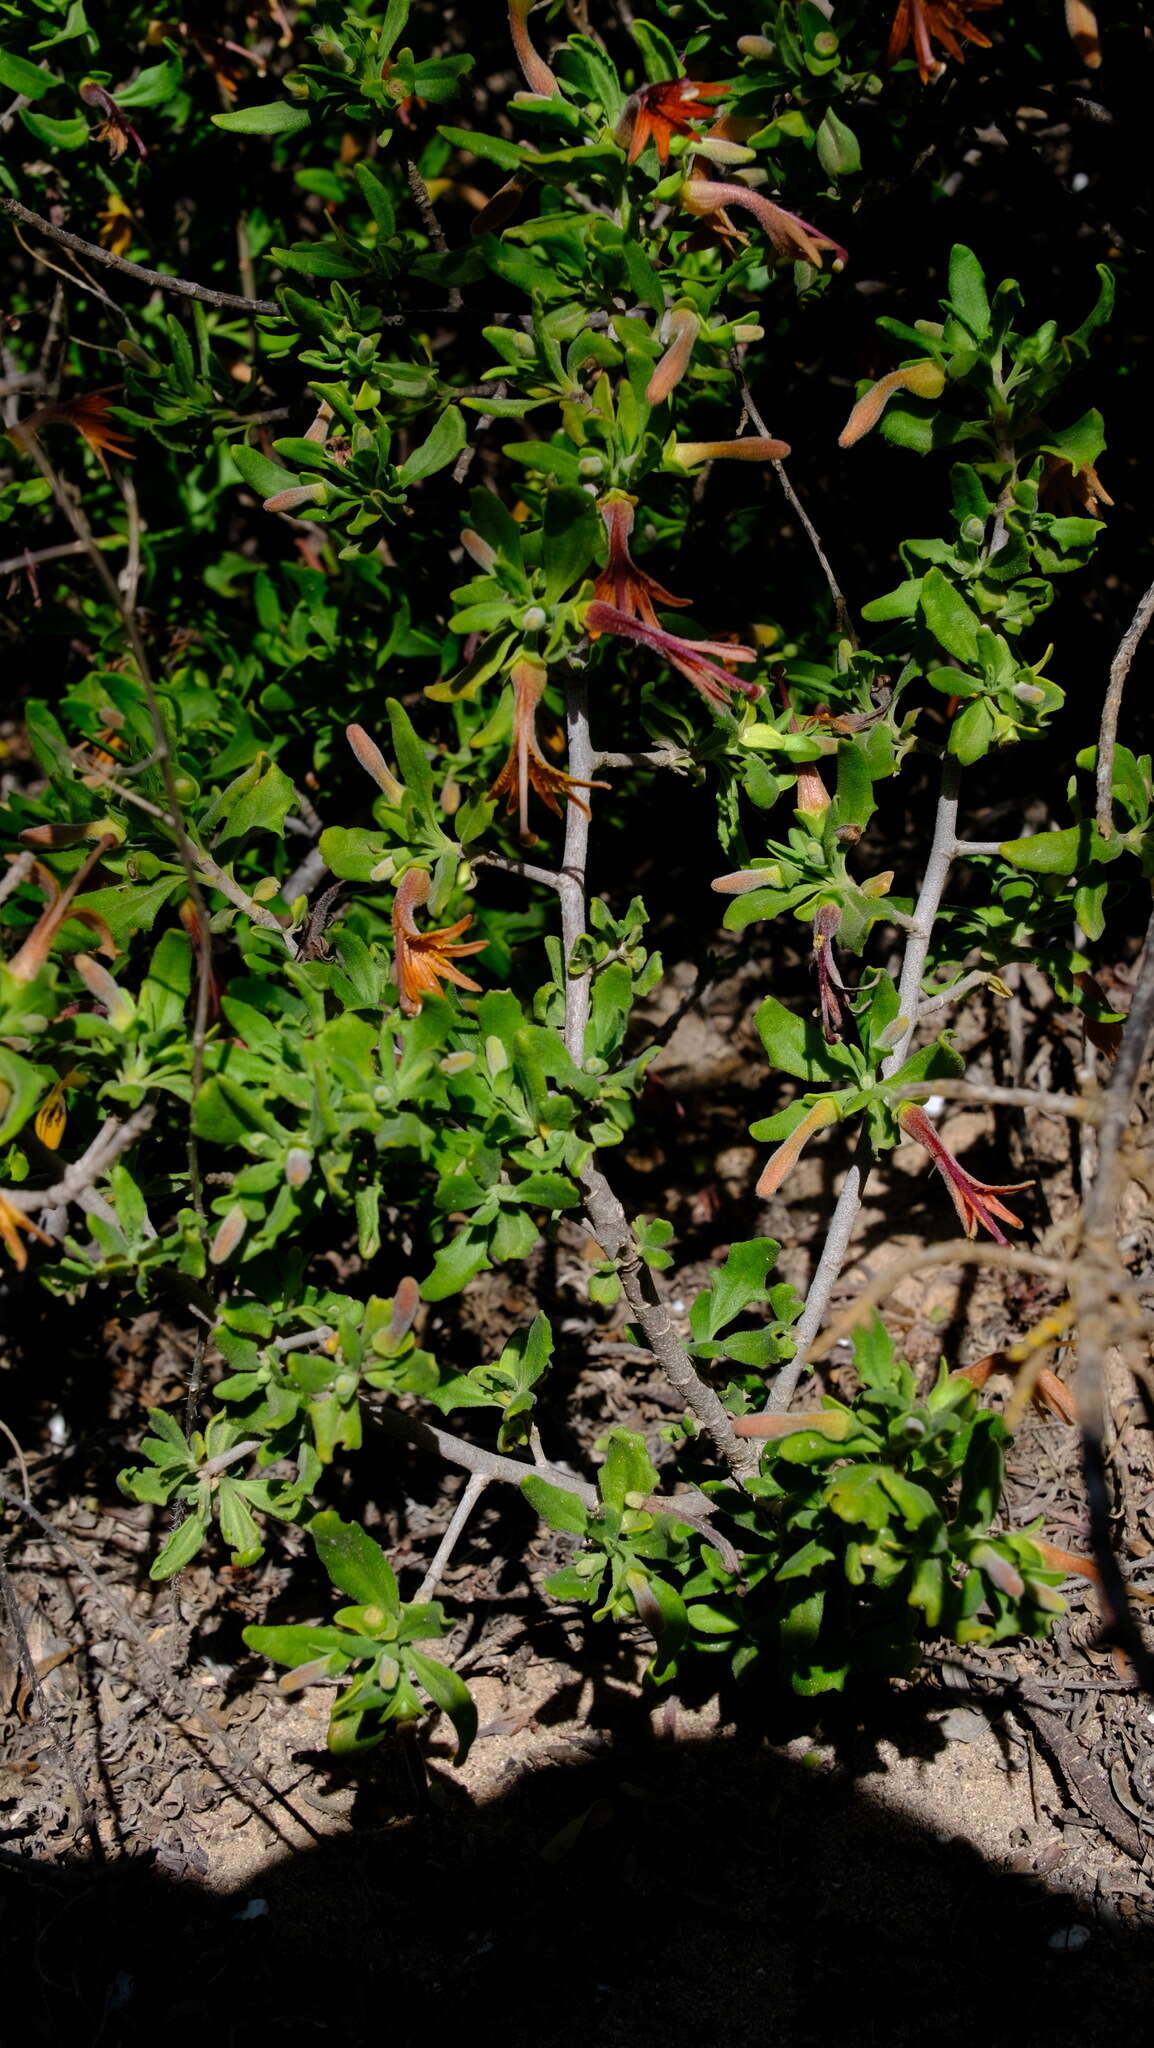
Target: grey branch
[[1108, 731], [110, 1141], [183, 287]]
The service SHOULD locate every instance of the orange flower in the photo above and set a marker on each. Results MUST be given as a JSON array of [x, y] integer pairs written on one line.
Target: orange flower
[[975, 1200], [26, 964], [621, 583], [538, 76], [1069, 491], [88, 413], [526, 767], [659, 112], [12, 1221], [116, 226], [942, 21], [425, 959]]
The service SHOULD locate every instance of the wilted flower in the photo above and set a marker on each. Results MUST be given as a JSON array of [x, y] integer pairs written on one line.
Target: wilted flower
[[790, 236], [526, 767], [425, 959], [12, 1222], [976, 1201], [52, 1115], [538, 76], [925, 379], [115, 226], [697, 660], [88, 412], [942, 21], [659, 112], [1071, 492], [116, 129], [830, 986]]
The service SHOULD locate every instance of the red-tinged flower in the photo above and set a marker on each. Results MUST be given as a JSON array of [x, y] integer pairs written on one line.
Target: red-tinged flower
[[621, 583], [425, 959], [26, 964], [116, 129], [976, 1201], [943, 21], [925, 379], [526, 767], [659, 112], [88, 412], [697, 660], [791, 236]]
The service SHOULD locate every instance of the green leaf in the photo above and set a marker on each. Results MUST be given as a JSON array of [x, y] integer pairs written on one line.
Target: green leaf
[[556, 1507], [627, 1468], [741, 1281], [354, 1562], [167, 985], [277, 117], [796, 1045], [262, 475], [377, 199], [180, 1549], [1048, 853], [262, 805], [21, 1086], [948, 616], [451, 1694], [20, 76], [298, 1643], [571, 527], [967, 291], [972, 734], [441, 447]]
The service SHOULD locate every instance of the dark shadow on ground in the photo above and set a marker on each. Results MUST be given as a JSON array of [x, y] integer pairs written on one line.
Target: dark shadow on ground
[[660, 1895]]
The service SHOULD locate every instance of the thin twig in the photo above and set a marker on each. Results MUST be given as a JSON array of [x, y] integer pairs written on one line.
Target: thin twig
[[961, 1252], [158, 279], [1108, 730], [570, 883], [548, 877], [841, 608], [690, 1506], [18, 872], [1080, 1107], [32, 557], [111, 1140], [474, 1487]]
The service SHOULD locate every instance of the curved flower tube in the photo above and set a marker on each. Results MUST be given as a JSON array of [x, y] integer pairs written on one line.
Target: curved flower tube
[[975, 1200], [926, 380], [689, 657], [526, 767], [790, 236]]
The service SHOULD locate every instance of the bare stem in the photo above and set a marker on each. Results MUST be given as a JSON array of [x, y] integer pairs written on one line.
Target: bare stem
[[841, 608], [474, 1487], [909, 1002], [110, 1141], [158, 279], [570, 884], [1108, 730]]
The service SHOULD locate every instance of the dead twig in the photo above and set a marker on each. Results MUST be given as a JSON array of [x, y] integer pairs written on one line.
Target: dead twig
[[1108, 730], [183, 287]]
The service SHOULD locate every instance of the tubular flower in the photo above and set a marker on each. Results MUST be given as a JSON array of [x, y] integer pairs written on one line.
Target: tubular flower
[[115, 129], [538, 76], [926, 380], [659, 112], [692, 658], [88, 413], [790, 236], [526, 767], [425, 959], [26, 964], [1066, 490], [823, 1112], [684, 327], [975, 1200], [621, 583], [942, 21], [749, 448], [1082, 23]]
